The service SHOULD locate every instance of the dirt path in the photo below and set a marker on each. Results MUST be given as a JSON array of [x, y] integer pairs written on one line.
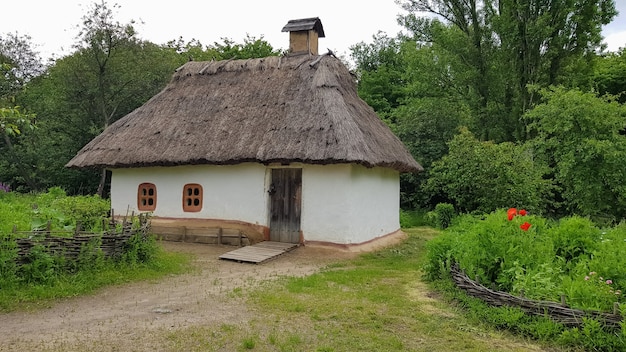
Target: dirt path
[[134, 317]]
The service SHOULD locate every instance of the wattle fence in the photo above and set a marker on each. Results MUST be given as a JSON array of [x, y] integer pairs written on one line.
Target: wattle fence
[[112, 240], [558, 312]]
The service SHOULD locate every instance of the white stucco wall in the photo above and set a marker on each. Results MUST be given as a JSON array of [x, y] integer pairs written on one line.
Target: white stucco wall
[[349, 204], [376, 202], [233, 192], [345, 204]]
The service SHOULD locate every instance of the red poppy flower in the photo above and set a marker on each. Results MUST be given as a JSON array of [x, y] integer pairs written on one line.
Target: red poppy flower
[[522, 212], [511, 213], [525, 226]]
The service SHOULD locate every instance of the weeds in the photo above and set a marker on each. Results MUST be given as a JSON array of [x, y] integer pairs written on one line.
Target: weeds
[[542, 260]]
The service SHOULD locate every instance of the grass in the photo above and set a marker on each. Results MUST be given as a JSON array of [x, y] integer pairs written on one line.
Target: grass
[[376, 302], [32, 297]]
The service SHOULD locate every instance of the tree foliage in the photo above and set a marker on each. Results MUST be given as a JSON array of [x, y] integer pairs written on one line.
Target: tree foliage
[[505, 46], [579, 136], [19, 63], [610, 75], [485, 176]]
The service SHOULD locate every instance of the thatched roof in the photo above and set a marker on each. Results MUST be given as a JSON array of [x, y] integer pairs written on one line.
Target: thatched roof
[[276, 109]]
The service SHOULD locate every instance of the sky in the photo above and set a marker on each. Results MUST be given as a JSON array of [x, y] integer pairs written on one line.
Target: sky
[[53, 25]]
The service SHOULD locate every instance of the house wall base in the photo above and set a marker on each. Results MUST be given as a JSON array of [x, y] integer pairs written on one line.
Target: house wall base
[[367, 246], [209, 231]]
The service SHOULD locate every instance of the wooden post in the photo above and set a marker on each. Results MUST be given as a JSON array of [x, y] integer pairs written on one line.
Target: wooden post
[[563, 302], [616, 309], [219, 236], [14, 228], [521, 293], [77, 229], [240, 239], [48, 227], [112, 221]]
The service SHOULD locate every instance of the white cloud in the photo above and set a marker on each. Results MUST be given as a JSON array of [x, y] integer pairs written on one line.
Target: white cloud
[[615, 40]]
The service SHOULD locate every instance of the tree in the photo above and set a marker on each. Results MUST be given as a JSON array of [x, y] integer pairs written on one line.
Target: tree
[[380, 68], [579, 136], [110, 74], [228, 49], [19, 63], [610, 75], [508, 45], [106, 74]]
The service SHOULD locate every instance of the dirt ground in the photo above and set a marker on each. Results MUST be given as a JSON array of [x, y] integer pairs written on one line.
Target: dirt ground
[[129, 317]]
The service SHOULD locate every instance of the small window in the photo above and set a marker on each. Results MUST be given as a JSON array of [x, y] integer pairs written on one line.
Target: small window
[[146, 197], [192, 197]]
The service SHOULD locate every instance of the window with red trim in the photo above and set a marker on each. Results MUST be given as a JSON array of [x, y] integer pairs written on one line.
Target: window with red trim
[[192, 197], [146, 197]]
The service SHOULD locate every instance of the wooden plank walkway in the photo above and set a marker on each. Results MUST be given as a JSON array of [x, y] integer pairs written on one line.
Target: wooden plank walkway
[[260, 252]]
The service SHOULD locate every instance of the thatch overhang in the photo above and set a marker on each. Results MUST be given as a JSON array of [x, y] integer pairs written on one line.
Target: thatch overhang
[[272, 110]]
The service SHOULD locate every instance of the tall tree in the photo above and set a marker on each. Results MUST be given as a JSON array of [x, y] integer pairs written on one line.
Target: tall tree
[[380, 68], [19, 64], [110, 73], [108, 76], [511, 45]]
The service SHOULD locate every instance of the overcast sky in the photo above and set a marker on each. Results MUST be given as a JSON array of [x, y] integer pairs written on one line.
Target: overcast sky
[[52, 25]]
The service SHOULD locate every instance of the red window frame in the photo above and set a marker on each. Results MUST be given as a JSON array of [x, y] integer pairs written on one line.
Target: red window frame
[[146, 197], [192, 198]]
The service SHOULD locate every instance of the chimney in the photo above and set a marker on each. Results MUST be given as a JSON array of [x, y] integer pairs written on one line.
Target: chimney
[[303, 35]]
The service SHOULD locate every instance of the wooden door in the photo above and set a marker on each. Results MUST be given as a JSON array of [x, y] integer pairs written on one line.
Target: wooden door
[[285, 201]]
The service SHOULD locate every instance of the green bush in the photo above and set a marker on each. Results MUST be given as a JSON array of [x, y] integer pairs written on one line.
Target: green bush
[[41, 267], [8, 256], [139, 249], [574, 239], [479, 176], [442, 216]]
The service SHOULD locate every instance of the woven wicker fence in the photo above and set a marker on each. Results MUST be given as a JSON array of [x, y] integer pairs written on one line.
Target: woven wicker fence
[[69, 243], [558, 312]]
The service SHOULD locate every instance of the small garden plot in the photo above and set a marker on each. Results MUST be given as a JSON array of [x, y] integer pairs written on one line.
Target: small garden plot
[[572, 262]]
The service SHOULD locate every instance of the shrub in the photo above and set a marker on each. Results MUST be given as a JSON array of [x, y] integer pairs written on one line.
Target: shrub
[[40, 268], [8, 255], [444, 215], [484, 176], [574, 239], [139, 249]]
